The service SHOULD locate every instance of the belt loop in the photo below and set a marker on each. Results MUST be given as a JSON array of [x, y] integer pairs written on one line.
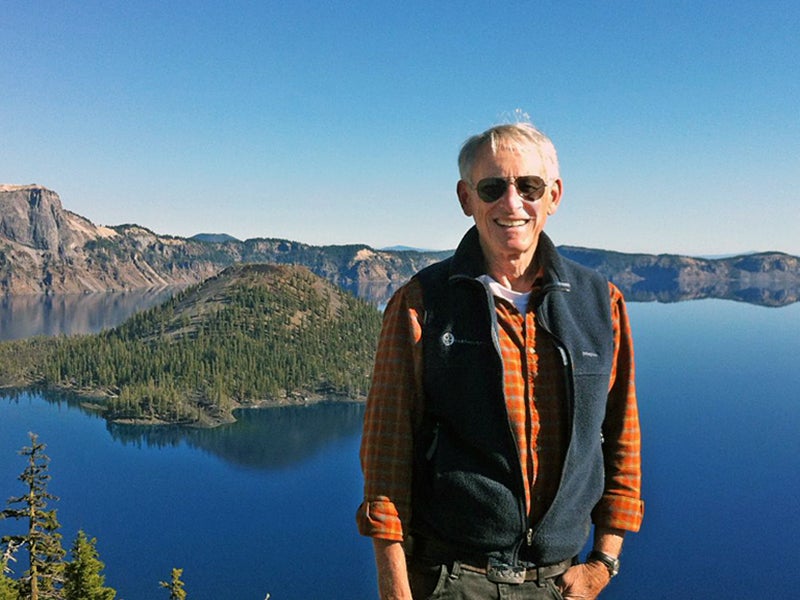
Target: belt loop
[[540, 580], [455, 570]]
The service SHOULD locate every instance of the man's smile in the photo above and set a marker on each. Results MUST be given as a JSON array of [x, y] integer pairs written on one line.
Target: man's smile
[[512, 222]]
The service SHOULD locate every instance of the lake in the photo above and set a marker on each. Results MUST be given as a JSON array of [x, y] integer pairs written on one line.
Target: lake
[[266, 505]]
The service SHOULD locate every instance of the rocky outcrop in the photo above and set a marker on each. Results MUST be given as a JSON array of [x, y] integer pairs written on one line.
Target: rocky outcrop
[[37, 236], [47, 249], [33, 217]]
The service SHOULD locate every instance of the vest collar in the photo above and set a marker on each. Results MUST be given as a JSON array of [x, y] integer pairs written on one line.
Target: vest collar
[[468, 260]]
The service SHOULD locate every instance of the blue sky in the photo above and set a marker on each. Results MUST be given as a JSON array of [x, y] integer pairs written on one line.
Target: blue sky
[[677, 122]]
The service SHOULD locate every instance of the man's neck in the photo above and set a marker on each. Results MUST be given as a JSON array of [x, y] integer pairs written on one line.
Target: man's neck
[[516, 273]]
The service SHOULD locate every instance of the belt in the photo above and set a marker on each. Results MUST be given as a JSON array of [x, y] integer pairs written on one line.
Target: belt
[[503, 573], [496, 571]]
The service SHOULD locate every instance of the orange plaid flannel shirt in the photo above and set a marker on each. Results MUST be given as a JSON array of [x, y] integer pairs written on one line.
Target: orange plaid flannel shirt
[[535, 395]]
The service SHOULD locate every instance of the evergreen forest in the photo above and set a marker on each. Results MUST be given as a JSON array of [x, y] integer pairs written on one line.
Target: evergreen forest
[[254, 335]]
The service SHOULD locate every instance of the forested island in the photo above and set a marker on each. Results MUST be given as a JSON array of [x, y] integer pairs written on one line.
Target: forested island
[[255, 335]]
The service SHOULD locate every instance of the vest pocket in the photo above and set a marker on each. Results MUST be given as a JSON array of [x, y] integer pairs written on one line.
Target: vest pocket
[[467, 495]]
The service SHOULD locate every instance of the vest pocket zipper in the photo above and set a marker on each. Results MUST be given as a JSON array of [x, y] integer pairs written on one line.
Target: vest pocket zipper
[[435, 442]]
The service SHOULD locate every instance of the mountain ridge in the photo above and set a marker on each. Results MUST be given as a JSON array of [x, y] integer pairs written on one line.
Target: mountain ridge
[[45, 248]]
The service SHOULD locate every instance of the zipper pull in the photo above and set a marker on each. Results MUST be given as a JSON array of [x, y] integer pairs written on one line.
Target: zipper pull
[[435, 442], [529, 537], [564, 357]]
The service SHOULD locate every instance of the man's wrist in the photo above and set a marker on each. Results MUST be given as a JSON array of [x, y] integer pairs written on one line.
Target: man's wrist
[[611, 563]]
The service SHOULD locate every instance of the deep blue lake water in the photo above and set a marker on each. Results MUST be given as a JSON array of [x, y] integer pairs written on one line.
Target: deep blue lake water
[[267, 505]]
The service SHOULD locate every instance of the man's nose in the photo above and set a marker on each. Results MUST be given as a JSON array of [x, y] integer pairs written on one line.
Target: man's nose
[[511, 197]]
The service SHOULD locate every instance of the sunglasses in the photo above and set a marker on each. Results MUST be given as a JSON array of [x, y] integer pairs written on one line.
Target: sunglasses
[[530, 187]]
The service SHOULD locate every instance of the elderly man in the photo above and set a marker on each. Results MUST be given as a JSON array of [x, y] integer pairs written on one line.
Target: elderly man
[[502, 419]]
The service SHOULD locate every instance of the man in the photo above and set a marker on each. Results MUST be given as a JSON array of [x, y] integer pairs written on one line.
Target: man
[[502, 418]]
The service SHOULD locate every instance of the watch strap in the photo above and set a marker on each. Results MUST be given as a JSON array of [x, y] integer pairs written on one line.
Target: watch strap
[[611, 563]]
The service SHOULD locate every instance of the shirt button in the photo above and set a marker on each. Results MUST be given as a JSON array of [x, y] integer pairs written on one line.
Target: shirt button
[[532, 350]]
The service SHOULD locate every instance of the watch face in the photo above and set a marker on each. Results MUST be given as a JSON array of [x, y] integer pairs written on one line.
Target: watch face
[[614, 568]]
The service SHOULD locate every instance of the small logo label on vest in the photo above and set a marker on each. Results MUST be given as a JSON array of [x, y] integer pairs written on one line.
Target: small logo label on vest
[[448, 339]]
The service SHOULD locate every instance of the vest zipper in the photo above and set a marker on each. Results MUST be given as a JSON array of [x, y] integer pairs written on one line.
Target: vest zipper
[[563, 287], [520, 479], [557, 286], [434, 443]]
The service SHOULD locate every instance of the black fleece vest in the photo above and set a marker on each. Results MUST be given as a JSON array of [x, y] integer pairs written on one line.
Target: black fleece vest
[[467, 483]]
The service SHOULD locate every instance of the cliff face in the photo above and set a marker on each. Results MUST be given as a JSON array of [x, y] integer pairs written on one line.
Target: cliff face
[[35, 230], [47, 249]]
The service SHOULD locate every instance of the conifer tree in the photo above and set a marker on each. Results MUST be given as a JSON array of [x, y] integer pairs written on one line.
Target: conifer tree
[[83, 579], [8, 587], [42, 540], [175, 585]]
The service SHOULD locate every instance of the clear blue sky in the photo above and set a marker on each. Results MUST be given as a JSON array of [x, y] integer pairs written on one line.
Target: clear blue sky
[[677, 122]]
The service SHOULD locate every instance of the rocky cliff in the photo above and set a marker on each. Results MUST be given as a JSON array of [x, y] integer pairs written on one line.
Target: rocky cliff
[[47, 249]]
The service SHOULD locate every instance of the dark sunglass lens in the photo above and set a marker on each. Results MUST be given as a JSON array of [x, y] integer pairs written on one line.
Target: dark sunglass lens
[[530, 187], [491, 189]]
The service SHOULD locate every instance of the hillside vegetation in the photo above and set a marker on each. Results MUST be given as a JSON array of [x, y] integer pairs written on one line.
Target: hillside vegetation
[[255, 335]]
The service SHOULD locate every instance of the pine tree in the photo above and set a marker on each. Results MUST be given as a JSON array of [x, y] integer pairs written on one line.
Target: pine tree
[[9, 590], [175, 586], [82, 575], [42, 540]]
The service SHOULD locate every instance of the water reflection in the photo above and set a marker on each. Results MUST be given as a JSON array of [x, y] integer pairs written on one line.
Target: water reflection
[[261, 438], [269, 438], [41, 314], [667, 290]]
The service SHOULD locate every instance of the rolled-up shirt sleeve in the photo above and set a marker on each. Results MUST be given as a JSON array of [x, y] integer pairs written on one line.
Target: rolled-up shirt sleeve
[[621, 506], [387, 442]]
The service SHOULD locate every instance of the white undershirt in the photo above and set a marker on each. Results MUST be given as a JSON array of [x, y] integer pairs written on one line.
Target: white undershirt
[[518, 299]]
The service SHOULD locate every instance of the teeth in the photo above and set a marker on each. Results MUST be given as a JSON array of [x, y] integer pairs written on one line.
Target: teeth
[[515, 223]]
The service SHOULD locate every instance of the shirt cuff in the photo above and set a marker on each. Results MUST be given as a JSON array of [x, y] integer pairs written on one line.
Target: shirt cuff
[[380, 519], [619, 512]]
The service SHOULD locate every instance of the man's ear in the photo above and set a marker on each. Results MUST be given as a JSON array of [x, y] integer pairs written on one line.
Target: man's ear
[[462, 191], [556, 192]]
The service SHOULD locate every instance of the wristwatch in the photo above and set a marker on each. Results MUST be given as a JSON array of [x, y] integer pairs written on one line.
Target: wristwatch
[[611, 563]]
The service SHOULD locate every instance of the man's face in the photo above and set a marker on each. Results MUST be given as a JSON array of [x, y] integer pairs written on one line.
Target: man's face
[[509, 227]]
